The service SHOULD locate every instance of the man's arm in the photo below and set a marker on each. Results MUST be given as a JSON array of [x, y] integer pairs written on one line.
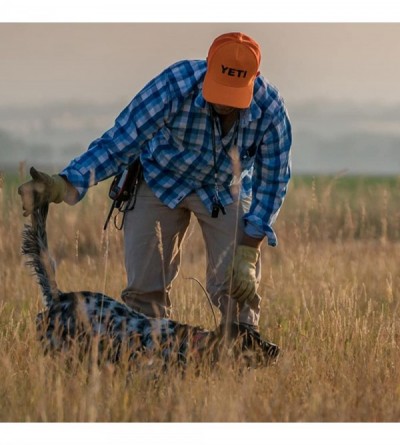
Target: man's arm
[[251, 241], [121, 144], [71, 196], [272, 172]]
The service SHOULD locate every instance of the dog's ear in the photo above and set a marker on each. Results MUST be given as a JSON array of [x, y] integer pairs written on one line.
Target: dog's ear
[[251, 341]]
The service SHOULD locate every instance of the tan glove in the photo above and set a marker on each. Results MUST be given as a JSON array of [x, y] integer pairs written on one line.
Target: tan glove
[[244, 280], [40, 190]]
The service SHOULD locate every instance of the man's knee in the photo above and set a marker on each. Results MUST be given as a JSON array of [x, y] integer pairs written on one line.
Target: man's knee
[[156, 304]]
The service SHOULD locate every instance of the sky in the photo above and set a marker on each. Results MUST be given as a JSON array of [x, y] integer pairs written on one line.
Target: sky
[[336, 65], [52, 62]]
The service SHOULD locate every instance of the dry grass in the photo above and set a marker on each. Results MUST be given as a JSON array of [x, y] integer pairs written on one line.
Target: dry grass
[[330, 300]]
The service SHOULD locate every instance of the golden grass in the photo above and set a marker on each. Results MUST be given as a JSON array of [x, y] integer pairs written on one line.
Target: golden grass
[[330, 300]]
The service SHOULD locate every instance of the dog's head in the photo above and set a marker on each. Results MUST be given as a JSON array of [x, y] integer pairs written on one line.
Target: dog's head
[[239, 342], [249, 346]]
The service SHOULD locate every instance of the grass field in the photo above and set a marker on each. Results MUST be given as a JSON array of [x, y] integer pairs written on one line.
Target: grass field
[[330, 300]]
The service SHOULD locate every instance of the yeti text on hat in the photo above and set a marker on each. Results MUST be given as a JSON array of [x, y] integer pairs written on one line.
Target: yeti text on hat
[[232, 65]]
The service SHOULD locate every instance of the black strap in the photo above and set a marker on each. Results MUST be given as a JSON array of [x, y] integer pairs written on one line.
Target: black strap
[[217, 205]]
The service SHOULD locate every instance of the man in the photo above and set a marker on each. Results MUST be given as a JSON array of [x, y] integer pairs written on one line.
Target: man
[[214, 140]]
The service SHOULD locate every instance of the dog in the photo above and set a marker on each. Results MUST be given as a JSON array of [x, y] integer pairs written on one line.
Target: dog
[[116, 332]]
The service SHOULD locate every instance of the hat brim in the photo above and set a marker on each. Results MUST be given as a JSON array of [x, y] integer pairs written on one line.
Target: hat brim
[[217, 93]]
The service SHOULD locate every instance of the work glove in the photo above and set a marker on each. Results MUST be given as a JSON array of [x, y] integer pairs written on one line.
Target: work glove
[[41, 189], [244, 281]]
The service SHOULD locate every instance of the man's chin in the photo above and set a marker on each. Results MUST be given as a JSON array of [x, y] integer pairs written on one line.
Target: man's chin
[[223, 109]]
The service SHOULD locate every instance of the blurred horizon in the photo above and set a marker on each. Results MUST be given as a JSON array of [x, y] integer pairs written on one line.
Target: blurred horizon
[[62, 85], [328, 137]]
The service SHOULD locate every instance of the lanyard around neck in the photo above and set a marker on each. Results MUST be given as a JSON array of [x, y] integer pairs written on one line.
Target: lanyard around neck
[[217, 205], [214, 144]]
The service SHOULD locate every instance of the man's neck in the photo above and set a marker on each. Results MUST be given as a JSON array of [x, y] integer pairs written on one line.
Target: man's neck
[[227, 121]]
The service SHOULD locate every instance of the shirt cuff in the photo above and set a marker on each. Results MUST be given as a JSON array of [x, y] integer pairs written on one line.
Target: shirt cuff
[[253, 230], [76, 179]]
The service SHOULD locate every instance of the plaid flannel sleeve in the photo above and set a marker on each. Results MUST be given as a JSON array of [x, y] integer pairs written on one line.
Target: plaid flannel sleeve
[[121, 144], [272, 173]]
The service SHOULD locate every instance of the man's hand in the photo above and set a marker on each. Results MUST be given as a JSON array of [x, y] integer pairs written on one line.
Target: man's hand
[[244, 279], [40, 190]]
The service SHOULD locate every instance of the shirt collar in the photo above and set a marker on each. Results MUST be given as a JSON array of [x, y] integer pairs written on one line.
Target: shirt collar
[[248, 115]]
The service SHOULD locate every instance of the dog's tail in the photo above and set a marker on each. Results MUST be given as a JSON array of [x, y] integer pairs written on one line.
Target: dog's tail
[[34, 246]]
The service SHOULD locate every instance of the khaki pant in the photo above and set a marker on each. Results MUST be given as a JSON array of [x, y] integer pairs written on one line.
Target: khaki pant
[[153, 236]]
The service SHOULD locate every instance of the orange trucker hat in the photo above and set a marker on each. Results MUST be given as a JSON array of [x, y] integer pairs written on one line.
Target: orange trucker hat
[[232, 65]]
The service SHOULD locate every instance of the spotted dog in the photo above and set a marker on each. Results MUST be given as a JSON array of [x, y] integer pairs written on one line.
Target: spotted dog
[[117, 331]]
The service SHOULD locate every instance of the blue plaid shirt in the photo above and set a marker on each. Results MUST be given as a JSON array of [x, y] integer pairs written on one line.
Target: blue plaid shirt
[[169, 125]]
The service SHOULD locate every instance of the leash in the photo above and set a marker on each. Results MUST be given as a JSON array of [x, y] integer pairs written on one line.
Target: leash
[[208, 298]]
